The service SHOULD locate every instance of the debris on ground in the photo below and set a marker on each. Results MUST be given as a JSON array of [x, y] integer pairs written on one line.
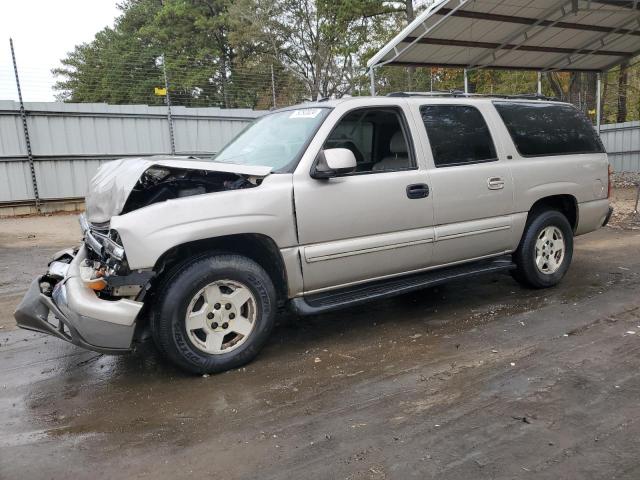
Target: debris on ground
[[522, 419], [623, 200], [625, 179]]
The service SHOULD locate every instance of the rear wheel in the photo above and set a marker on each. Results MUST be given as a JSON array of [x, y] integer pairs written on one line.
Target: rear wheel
[[545, 251], [214, 313]]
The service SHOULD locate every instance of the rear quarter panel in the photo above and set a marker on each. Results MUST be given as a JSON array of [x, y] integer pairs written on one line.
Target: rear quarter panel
[[583, 176]]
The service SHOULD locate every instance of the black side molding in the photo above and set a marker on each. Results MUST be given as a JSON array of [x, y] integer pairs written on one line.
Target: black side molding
[[348, 297]]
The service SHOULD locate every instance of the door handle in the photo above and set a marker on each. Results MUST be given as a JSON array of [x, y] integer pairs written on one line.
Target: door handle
[[495, 183], [418, 190]]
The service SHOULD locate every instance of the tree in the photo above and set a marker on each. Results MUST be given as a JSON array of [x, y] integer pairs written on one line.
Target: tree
[[321, 42], [623, 80], [123, 64], [118, 66], [223, 52]]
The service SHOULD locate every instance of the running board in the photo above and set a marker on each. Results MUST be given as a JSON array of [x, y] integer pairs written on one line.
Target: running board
[[350, 296]]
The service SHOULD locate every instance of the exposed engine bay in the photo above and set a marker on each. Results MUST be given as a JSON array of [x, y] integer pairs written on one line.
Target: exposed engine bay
[[158, 184], [106, 266], [125, 185]]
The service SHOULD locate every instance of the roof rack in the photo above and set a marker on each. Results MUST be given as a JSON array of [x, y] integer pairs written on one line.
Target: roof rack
[[460, 93]]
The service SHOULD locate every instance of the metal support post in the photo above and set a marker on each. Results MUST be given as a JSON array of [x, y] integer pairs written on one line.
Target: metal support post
[[168, 100], [372, 78], [25, 129], [540, 83], [598, 100], [466, 81]]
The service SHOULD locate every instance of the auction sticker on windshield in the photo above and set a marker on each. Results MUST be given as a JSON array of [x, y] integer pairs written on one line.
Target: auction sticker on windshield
[[306, 113]]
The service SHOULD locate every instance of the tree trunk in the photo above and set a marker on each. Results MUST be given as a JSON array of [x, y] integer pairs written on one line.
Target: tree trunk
[[574, 86], [623, 81], [603, 98], [556, 86]]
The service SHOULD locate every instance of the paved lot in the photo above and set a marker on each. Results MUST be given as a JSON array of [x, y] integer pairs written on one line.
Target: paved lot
[[473, 380]]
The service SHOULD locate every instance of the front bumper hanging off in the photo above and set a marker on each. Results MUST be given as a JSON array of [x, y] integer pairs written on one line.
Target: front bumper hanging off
[[74, 313]]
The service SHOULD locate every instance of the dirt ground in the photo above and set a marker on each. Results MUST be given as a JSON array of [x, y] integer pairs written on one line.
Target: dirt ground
[[625, 215], [479, 379]]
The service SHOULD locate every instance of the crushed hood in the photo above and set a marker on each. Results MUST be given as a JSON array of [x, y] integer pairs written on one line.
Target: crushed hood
[[111, 186]]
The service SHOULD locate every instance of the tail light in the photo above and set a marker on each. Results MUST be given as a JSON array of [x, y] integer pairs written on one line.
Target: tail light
[[609, 182]]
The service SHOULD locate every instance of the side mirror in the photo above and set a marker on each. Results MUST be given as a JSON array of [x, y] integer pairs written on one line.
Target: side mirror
[[333, 162]]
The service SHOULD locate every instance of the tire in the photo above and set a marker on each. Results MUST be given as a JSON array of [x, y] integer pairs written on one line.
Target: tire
[[201, 308], [551, 230]]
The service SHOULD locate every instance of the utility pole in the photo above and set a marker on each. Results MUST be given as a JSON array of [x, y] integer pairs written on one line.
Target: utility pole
[[168, 100], [25, 129]]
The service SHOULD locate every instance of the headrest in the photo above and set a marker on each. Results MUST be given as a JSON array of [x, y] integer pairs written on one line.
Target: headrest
[[398, 144]]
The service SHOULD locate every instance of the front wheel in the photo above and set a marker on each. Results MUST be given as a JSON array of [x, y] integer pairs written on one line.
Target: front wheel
[[214, 314], [545, 251]]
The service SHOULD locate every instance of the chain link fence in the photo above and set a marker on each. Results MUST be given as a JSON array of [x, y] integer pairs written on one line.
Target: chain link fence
[[158, 79]]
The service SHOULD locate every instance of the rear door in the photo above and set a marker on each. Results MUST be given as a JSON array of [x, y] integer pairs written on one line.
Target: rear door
[[471, 182]]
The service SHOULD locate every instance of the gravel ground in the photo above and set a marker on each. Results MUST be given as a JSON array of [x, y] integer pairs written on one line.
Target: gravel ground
[[625, 179], [625, 216]]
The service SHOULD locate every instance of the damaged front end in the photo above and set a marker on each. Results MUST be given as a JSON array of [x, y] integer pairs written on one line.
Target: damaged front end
[[90, 296], [126, 185], [113, 193], [108, 272], [64, 303], [158, 184]]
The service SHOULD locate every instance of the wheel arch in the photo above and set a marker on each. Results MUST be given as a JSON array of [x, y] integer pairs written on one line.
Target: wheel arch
[[566, 204], [258, 247]]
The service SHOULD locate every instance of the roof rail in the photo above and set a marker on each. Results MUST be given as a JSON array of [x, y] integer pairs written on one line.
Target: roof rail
[[434, 93], [459, 93]]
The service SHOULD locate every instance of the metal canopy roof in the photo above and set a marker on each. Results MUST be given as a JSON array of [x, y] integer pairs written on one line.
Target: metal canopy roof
[[543, 35]]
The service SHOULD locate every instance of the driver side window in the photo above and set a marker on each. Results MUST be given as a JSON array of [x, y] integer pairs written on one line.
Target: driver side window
[[377, 137]]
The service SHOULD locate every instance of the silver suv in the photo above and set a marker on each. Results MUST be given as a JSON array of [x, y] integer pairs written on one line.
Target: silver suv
[[318, 207]]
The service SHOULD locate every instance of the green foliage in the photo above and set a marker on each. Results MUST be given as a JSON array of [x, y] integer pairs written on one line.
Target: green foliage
[[243, 53], [222, 52], [118, 66]]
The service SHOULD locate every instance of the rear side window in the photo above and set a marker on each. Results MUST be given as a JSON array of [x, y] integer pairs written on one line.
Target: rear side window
[[458, 135], [543, 129]]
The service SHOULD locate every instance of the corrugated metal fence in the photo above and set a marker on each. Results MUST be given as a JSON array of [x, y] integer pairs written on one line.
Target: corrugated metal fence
[[69, 141], [622, 141]]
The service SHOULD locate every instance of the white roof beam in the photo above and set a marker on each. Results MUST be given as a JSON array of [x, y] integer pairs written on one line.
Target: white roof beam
[[618, 62], [479, 61], [375, 60], [601, 40]]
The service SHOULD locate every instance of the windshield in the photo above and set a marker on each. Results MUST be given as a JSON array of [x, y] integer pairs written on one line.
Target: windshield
[[274, 140]]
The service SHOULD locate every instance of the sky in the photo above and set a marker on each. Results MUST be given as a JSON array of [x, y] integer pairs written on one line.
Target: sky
[[43, 31]]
